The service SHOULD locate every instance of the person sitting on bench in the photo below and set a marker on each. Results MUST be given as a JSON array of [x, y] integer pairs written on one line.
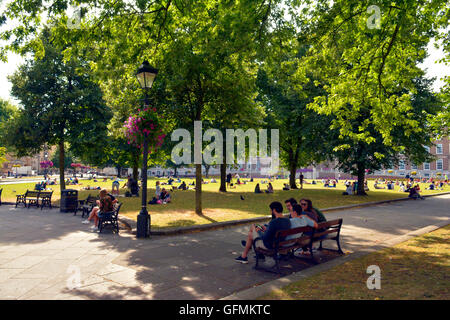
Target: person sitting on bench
[[300, 219], [267, 234], [105, 204], [312, 212]]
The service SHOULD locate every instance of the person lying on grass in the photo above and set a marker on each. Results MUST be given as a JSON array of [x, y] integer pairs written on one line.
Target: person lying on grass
[[267, 234]]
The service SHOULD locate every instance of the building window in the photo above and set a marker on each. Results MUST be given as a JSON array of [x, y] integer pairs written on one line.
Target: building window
[[414, 167], [426, 166], [439, 164], [401, 165], [439, 149]]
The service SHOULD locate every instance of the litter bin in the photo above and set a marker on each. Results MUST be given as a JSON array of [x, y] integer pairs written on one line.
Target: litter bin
[[69, 200]]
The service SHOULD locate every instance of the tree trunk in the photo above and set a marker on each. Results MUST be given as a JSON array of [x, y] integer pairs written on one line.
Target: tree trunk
[[223, 170], [207, 167], [62, 182], [292, 170], [361, 178], [198, 189], [175, 173], [135, 172], [223, 178], [118, 171]]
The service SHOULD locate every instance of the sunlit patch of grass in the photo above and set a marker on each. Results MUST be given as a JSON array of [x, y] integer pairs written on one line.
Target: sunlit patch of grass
[[409, 270]]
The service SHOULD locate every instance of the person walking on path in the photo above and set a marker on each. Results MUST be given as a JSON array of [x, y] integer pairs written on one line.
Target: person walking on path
[[301, 180]]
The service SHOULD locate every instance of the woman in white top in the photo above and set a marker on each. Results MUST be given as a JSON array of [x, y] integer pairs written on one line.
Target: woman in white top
[[158, 190]]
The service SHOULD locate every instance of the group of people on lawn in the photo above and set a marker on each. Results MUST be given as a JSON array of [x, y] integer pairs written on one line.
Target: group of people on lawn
[[268, 190], [162, 196], [300, 215]]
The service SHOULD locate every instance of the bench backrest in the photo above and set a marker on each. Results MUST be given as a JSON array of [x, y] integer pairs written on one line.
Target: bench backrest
[[117, 207], [280, 236], [328, 227], [32, 194], [91, 199], [45, 194]]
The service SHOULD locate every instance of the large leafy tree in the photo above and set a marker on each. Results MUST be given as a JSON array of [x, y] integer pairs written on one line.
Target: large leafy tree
[[7, 112], [361, 158], [369, 74], [285, 98], [61, 103]]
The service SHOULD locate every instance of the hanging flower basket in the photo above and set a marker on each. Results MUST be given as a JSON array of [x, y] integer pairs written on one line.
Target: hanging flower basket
[[46, 164], [413, 173], [438, 173], [145, 123], [390, 171]]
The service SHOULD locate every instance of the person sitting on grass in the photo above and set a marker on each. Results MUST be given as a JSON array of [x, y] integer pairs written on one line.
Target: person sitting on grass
[[269, 188], [402, 187], [348, 190], [286, 187], [414, 193], [267, 234], [257, 189], [105, 204], [164, 196], [377, 186], [182, 186]]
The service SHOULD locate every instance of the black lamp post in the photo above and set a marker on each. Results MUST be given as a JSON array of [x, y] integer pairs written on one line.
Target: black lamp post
[[145, 75]]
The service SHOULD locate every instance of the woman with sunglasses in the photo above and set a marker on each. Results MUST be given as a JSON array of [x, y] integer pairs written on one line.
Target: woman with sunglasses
[[310, 211]]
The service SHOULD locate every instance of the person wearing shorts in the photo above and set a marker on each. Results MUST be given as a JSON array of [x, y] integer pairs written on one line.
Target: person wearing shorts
[[267, 234], [115, 187]]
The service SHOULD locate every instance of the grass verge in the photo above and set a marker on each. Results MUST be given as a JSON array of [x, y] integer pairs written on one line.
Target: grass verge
[[416, 269]]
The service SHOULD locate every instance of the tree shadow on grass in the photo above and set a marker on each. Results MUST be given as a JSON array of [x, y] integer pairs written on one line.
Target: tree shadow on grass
[[429, 240], [181, 223]]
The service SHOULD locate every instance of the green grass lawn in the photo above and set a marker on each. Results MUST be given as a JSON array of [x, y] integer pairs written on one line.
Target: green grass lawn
[[218, 207], [416, 269]]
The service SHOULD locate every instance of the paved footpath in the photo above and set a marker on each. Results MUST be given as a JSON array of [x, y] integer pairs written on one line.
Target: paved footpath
[[44, 253]]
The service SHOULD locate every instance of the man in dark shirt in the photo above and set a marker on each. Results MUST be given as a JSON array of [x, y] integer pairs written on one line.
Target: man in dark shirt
[[267, 234]]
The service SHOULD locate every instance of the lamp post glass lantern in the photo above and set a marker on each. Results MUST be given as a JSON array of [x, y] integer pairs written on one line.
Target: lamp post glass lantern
[[145, 75]]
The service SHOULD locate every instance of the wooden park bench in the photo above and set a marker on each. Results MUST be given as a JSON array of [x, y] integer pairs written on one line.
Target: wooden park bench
[[111, 218], [31, 196], [46, 198], [329, 230], [86, 206]]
